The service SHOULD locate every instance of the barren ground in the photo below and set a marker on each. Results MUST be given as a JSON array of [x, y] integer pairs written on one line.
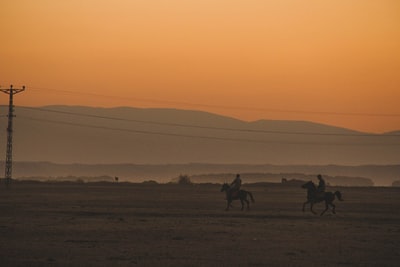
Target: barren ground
[[172, 225]]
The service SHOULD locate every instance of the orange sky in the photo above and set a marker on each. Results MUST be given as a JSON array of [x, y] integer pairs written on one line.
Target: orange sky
[[315, 60]]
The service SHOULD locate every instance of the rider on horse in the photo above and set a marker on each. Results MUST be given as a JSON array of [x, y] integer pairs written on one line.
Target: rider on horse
[[321, 186], [235, 186]]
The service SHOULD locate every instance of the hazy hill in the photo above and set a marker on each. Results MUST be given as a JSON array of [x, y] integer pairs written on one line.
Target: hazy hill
[[65, 134]]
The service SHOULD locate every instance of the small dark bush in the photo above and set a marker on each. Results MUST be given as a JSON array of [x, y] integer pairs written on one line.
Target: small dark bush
[[184, 180]]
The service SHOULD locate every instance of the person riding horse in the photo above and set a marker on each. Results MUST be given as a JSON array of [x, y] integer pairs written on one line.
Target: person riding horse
[[235, 186], [321, 186], [234, 192], [313, 196]]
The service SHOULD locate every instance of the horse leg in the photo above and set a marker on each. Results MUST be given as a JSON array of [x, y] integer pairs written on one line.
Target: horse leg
[[304, 205], [241, 200], [248, 204], [326, 208], [333, 208], [228, 204], [311, 208]]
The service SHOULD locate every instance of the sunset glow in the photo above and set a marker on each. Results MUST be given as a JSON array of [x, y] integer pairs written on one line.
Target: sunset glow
[[333, 62]]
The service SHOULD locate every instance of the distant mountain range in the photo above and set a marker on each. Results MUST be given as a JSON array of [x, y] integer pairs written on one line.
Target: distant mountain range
[[87, 135]]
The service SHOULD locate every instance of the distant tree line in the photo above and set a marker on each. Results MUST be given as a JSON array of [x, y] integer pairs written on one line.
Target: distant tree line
[[279, 177], [396, 183]]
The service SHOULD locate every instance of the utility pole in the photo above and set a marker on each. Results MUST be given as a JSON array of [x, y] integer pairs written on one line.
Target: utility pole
[[12, 91]]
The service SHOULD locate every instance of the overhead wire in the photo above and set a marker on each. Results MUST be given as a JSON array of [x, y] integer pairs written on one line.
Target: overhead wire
[[201, 126], [207, 127], [222, 106], [196, 136]]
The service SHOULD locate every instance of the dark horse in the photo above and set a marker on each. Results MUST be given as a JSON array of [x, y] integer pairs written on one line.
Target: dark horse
[[241, 194], [313, 196]]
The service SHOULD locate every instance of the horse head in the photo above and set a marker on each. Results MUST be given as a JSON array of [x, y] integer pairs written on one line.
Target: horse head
[[224, 187], [309, 185]]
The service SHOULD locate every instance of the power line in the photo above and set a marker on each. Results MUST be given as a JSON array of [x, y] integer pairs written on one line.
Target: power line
[[196, 136], [225, 107], [139, 131], [206, 127]]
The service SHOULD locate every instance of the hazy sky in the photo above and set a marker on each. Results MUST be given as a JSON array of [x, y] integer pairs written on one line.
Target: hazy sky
[[334, 62]]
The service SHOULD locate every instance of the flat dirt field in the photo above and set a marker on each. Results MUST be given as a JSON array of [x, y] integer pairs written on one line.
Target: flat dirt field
[[66, 224]]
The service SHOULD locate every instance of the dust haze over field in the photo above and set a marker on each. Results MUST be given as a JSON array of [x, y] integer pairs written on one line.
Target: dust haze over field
[[159, 144], [62, 134]]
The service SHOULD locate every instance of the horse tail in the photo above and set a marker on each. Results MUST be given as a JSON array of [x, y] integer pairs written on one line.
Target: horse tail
[[339, 195], [251, 196]]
